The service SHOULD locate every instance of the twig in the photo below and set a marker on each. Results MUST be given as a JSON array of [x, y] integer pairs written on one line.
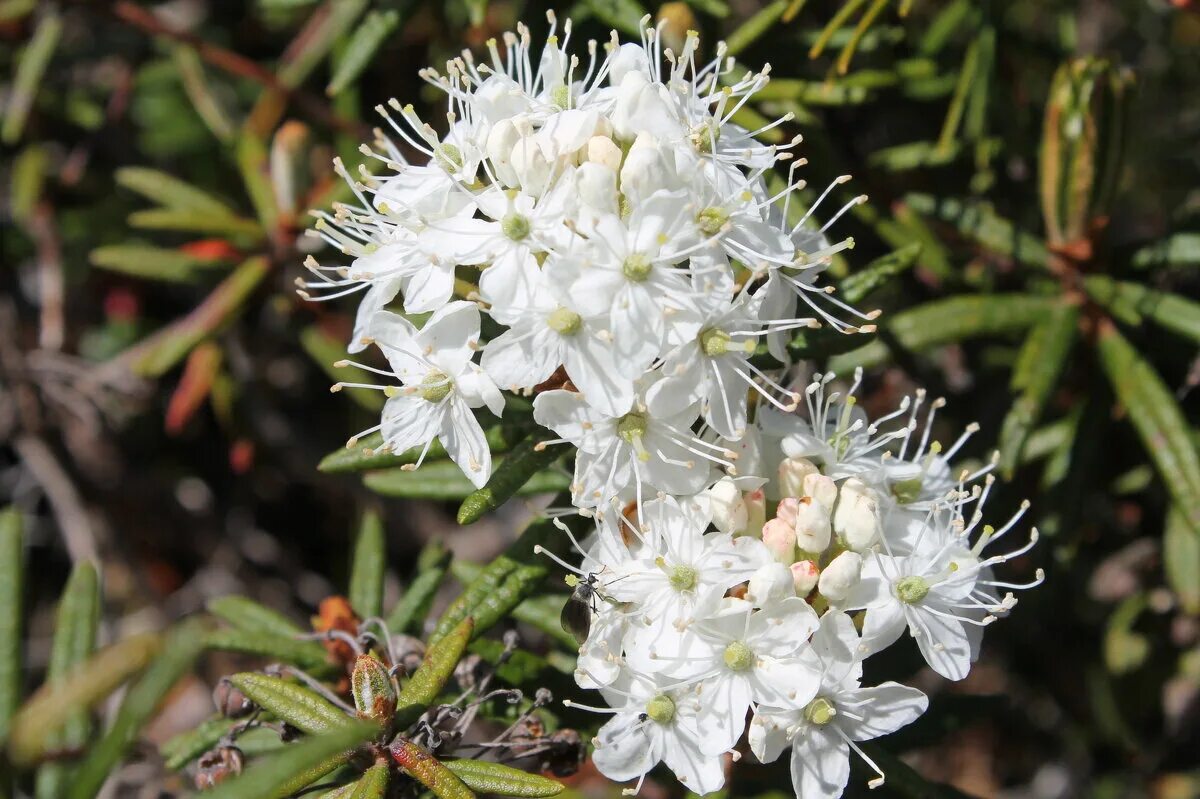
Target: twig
[[51, 331], [65, 502]]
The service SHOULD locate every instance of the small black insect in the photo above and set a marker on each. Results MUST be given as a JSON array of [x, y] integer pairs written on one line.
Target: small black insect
[[577, 613]]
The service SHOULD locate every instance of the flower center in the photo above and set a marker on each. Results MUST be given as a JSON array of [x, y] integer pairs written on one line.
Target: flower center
[[564, 321], [703, 136], [738, 656], [436, 386], [561, 97], [714, 342], [911, 590], [820, 711], [515, 226], [906, 491], [682, 578], [711, 220], [450, 157], [636, 267], [661, 709], [632, 426]]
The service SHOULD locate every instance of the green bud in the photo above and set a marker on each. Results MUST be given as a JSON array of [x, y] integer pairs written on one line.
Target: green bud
[[373, 690]]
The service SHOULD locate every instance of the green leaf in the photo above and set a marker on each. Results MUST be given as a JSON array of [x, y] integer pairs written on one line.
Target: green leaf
[[542, 611], [152, 263], [858, 286], [181, 648], [367, 38], [301, 707], [528, 460], [429, 771], [30, 70], [185, 747], [164, 349], [373, 784], [314, 42], [1126, 650], [427, 682], [307, 655], [12, 568], [410, 611], [443, 480], [297, 766], [980, 223], [496, 778], [1131, 302], [240, 230], [246, 614], [624, 15], [53, 705], [370, 564], [365, 454], [1181, 249], [75, 627], [1158, 419], [325, 350], [171, 192], [29, 170], [945, 322], [1181, 561], [1042, 360], [256, 176]]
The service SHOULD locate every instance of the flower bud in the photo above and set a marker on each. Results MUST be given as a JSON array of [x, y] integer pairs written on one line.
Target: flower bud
[[373, 690], [603, 150], [770, 583], [788, 510], [648, 167], [756, 512], [597, 187], [856, 516], [501, 141], [780, 538], [813, 531], [530, 166], [729, 512], [820, 488], [804, 576], [792, 472], [840, 576], [231, 703]]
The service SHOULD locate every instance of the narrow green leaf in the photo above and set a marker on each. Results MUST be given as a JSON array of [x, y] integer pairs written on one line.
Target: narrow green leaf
[[1040, 364], [366, 40], [427, 682], [444, 480], [303, 708], [31, 68], [980, 223], [12, 568], [297, 766], [409, 613], [325, 350], [527, 460], [307, 655], [53, 705], [373, 784], [945, 322], [858, 286], [75, 627], [212, 110], [1181, 561], [624, 15], [1158, 419], [152, 263], [542, 611], [1125, 649], [182, 749], [29, 170], [496, 778], [246, 614], [370, 564], [364, 454], [256, 176], [237, 228], [181, 648], [1181, 249], [171, 192], [1131, 302], [315, 41], [429, 771]]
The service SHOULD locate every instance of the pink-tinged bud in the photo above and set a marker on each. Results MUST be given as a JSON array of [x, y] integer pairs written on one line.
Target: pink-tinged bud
[[820, 488], [373, 690], [756, 512], [813, 531], [856, 518], [780, 538], [729, 513], [792, 472], [840, 576], [770, 583], [804, 577], [787, 510]]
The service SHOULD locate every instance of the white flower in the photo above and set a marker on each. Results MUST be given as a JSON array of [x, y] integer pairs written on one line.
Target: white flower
[[440, 386], [823, 731]]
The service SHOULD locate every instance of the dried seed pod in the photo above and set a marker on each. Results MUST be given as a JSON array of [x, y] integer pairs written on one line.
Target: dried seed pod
[[230, 702], [216, 765], [566, 753]]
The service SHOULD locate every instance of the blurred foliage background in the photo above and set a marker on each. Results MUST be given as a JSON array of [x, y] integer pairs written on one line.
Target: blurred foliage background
[[1033, 168]]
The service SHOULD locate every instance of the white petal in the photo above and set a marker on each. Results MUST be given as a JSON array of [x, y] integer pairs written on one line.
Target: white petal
[[518, 359], [820, 764], [429, 288], [891, 707], [409, 421], [725, 701], [464, 441], [944, 644], [624, 752], [451, 335]]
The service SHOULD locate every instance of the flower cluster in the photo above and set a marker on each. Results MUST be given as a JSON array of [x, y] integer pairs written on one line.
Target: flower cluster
[[599, 234]]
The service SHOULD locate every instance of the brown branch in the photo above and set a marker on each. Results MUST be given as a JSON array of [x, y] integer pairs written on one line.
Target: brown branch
[[135, 16]]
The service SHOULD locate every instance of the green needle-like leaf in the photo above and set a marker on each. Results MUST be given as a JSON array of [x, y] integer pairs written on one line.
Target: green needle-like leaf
[[246, 614], [1181, 561], [303, 708], [370, 564], [1131, 302], [12, 568], [429, 771], [410, 611], [496, 778], [427, 682], [523, 463], [364, 454]]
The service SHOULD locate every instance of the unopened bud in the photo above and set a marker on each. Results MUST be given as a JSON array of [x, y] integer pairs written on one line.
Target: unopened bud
[[373, 690], [231, 703], [840, 576], [813, 531], [804, 577], [820, 488], [770, 583], [604, 151], [856, 516], [792, 472], [756, 512], [780, 538], [729, 512]]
